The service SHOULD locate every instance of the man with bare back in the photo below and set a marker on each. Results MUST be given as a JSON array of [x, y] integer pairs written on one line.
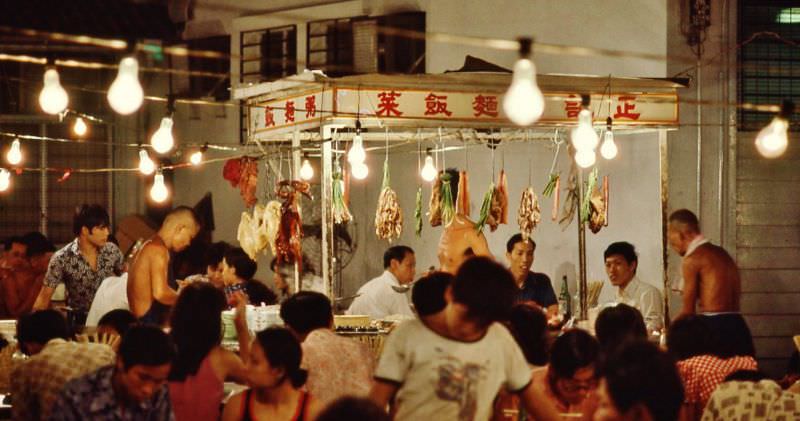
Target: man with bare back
[[151, 291], [460, 239], [711, 283]]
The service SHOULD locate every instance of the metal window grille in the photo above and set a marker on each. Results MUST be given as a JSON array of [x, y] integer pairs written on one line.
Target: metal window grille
[[330, 46], [769, 68]]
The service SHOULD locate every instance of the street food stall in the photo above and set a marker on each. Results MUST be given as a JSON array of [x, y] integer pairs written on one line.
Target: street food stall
[[458, 118]]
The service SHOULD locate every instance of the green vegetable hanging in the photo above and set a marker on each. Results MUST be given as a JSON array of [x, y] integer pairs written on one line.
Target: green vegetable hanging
[[448, 206], [486, 208], [586, 205], [551, 185], [341, 214]]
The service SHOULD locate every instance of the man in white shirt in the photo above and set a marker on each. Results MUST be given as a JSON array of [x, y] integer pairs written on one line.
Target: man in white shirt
[[377, 298], [111, 295], [621, 263]]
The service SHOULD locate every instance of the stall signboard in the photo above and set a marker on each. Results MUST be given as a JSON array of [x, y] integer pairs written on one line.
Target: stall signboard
[[389, 104], [301, 111]]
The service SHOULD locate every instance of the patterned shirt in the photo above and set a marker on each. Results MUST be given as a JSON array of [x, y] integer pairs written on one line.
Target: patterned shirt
[[703, 373], [336, 365], [36, 382], [69, 266], [92, 397], [764, 400]]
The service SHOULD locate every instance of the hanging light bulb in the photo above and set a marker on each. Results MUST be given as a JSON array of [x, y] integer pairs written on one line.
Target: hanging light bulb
[[162, 140], [125, 94], [584, 137], [306, 170], [159, 190], [357, 154], [585, 158], [359, 170], [146, 165], [524, 102], [773, 140], [53, 99], [608, 149], [14, 155], [5, 179], [79, 128], [196, 157], [429, 170]]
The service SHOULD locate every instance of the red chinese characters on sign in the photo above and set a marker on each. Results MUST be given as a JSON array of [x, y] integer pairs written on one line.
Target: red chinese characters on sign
[[269, 117], [289, 112], [311, 106], [436, 104], [626, 107], [388, 107], [485, 105], [573, 108]]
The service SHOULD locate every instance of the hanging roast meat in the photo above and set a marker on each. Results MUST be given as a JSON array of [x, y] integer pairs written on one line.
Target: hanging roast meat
[[529, 214], [290, 232]]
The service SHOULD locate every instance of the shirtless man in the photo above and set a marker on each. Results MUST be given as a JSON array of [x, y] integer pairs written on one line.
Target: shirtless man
[[149, 293], [711, 280], [460, 240]]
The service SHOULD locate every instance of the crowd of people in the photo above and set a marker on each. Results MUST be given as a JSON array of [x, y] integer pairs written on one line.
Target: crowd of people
[[478, 342]]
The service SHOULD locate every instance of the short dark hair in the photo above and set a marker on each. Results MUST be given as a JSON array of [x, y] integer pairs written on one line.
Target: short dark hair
[[427, 295], [639, 373], [41, 326], [306, 311], [624, 249], [618, 324], [119, 319], [517, 238], [352, 408], [89, 216], [690, 336], [486, 288], [215, 253], [147, 345], [196, 322], [395, 253], [686, 217], [283, 350], [573, 350], [528, 324], [259, 293], [36, 244], [241, 262]]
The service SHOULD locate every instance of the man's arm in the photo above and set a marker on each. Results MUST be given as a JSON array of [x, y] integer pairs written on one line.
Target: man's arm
[[43, 299], [653, 310], [538, 405], [691, 281], [382, 393], [158, 278]]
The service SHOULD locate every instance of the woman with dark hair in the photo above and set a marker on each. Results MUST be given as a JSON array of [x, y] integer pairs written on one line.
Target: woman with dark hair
[[202, 365], [275, 379], [528, 324]]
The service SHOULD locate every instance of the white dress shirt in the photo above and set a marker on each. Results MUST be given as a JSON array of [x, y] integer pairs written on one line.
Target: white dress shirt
[[645, 298], [377, 299], [111, 295]]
